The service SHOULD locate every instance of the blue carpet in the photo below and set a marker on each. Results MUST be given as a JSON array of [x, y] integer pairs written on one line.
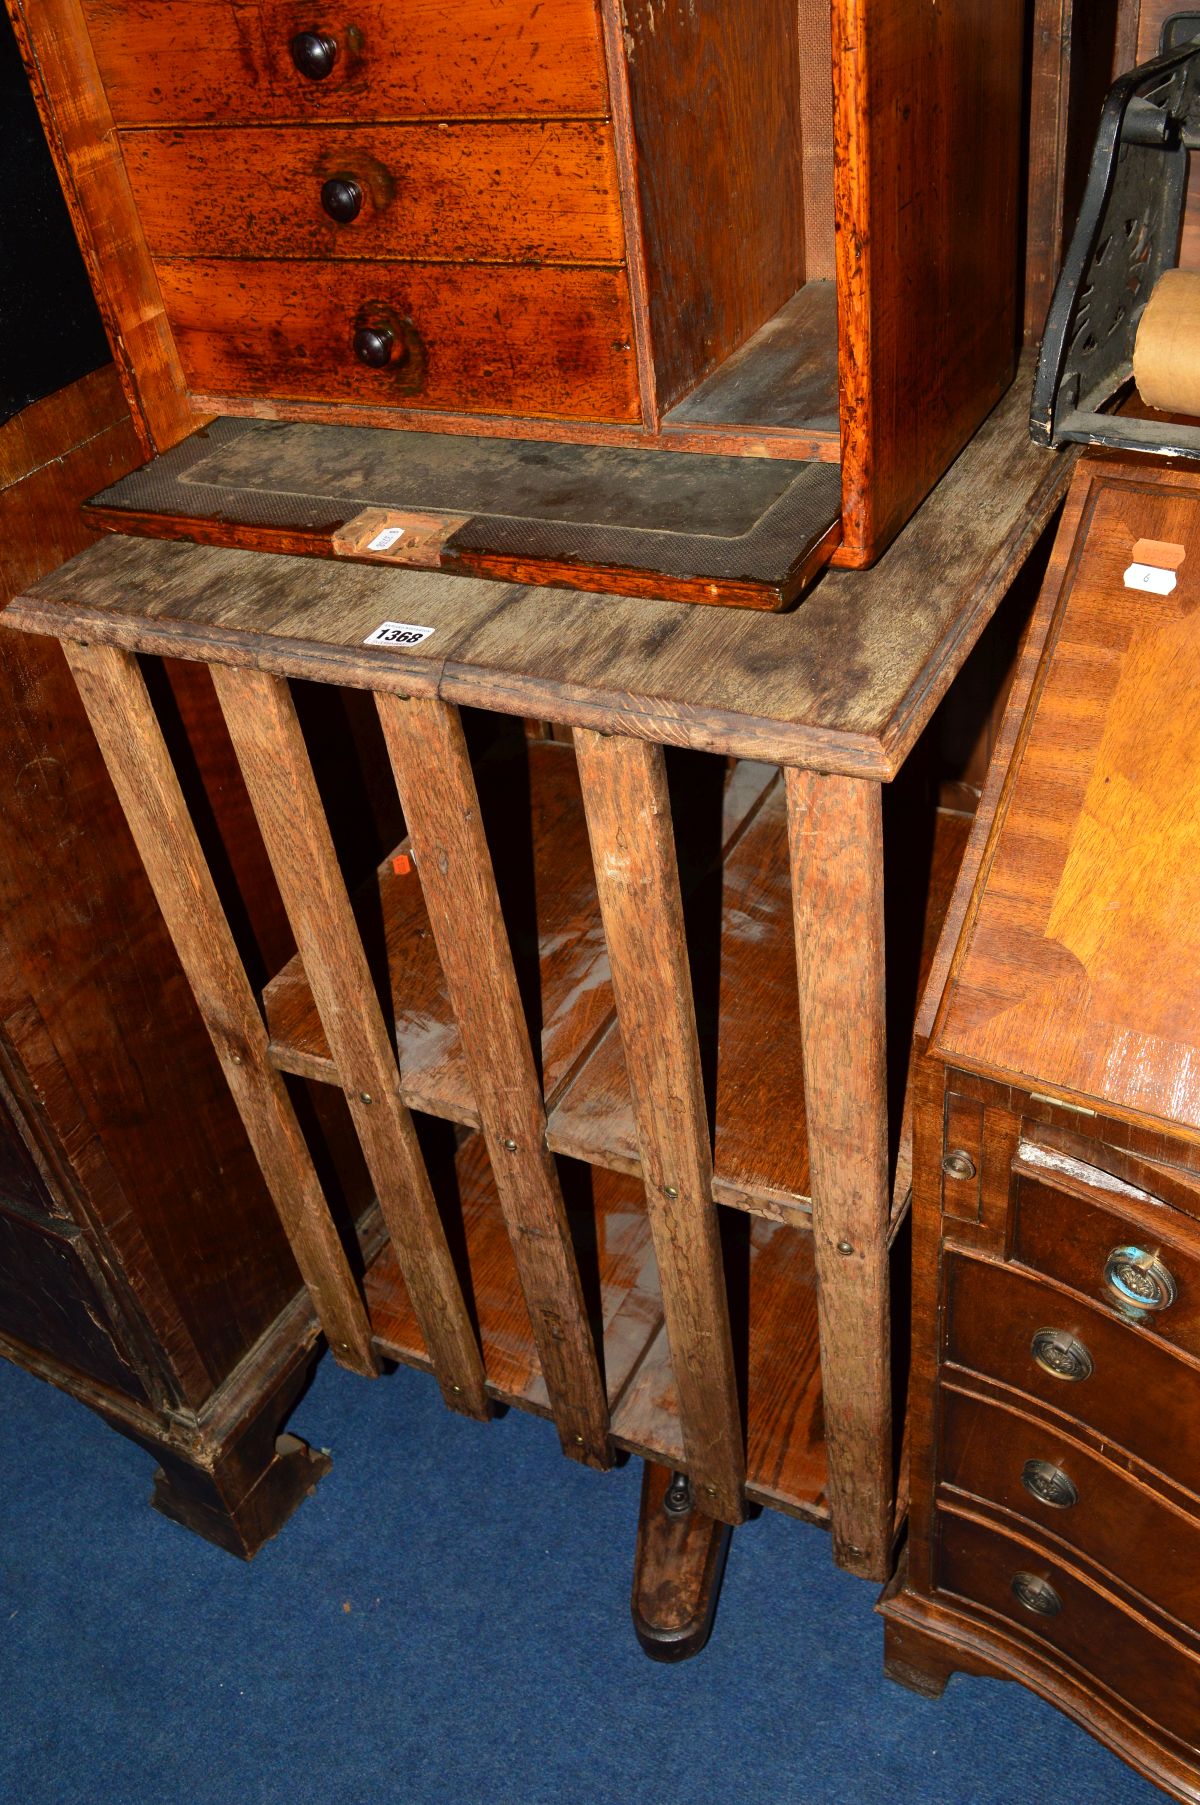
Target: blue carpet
[[445, 1622]]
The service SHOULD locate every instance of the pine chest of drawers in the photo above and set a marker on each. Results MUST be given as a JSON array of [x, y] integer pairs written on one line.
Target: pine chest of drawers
[[1055, 1526], [775, 229]]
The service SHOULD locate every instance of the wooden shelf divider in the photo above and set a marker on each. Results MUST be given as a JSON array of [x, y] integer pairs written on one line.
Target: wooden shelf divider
[[772, 1301]]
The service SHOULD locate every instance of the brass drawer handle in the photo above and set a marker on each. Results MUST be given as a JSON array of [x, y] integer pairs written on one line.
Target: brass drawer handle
[[1061, 1355], [958, 1164], [1036, 1595], [314, 54], [1049, 1484], [1139, 1280]]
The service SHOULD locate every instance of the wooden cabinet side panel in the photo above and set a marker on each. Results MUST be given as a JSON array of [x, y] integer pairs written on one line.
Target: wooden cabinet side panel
[[927, 174], [83, 141], [714, 93], [93, 1003]]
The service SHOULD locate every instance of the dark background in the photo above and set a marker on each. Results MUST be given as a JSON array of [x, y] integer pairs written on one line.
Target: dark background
[[50, 330]]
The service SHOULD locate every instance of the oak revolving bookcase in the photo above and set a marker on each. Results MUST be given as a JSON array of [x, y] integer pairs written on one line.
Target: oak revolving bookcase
[[611, 1022]]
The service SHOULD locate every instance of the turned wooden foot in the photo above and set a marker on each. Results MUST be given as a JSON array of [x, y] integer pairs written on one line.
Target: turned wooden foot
[[677, 1572]]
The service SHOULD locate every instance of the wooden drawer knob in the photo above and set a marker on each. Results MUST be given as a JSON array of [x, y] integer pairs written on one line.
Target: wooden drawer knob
[[342, 198], [1036, 1594], [1061, 1355], [374, 346], [314, 54], [1049, 1484], [1139, 1280]]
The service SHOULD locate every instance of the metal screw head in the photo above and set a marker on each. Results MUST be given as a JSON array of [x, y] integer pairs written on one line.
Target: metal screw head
[[845, 1247], [958, 1164], [510, 1146], [670, 1191], [364, 1096], [235, 1058]]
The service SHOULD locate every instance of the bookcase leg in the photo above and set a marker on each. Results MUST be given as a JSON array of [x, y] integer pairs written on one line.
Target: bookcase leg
[[678, 1569], [835, 827]]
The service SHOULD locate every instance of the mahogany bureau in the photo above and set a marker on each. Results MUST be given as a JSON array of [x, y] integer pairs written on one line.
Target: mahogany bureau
[[1055, 1409]]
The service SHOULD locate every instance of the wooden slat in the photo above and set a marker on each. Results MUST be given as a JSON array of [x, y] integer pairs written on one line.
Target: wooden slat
[[123, 719], [266, 734], [776, 1349], [529, 797], [751, 1019], [629, 824], [836, 832], [612, 1238], [437, 792], [917, 376]]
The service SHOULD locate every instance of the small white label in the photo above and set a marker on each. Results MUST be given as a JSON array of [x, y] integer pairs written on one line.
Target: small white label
[[1148, 576], [383, 542], [397, 633]]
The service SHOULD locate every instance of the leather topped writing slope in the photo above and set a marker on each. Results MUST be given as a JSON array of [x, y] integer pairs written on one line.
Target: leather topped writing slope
[[700, 528]]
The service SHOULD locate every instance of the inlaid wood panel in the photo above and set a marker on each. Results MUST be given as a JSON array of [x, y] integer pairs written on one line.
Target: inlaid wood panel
[[1095, 869]]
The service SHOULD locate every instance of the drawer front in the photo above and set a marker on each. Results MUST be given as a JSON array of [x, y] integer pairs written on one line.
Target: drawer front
[[49, 1301], [493, 339], [179, 62], [505, 192], [1058, 1233], [1137, 1394], [1056, 1485], [1146, 1670]]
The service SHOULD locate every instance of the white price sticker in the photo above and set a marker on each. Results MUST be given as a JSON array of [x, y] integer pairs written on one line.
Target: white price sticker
[[1151, 578], [397, 633], [383, 542]]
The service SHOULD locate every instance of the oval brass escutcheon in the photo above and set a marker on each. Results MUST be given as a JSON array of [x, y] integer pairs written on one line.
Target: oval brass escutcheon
[[1036, 1594], [1049, 1484], [1061, 1354], [1139, 1280]]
